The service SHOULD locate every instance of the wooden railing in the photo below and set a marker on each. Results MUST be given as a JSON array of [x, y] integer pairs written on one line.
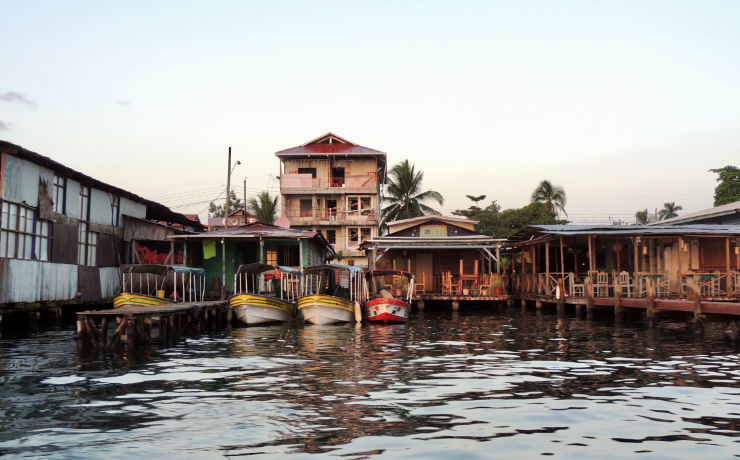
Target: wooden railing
[[714, 285]]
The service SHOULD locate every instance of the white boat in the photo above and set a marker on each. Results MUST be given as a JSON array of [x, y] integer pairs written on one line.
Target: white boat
[[264, 293], [332, 294], [390, 296]]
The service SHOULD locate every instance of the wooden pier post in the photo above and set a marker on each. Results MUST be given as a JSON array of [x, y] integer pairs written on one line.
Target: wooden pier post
[[618, 310], [455, 305], [698, 310], [650, 303], [420, 304], [561, 293]]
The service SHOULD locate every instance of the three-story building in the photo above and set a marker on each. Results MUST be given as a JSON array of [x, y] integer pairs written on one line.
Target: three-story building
[[334, 186]]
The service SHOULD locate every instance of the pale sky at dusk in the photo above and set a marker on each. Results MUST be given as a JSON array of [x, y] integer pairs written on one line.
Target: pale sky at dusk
[[625, 104]]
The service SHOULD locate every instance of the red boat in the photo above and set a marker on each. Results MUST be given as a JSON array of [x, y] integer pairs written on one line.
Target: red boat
[[390, 296]]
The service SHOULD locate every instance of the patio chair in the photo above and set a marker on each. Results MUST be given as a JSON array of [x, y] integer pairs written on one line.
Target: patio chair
[[627, 288]]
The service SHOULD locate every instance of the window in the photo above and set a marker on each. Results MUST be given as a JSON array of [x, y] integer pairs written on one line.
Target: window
[[311, 171], [364, 234], [331, 236], [22, 234], [354, 234], [337, 177], [365, 205], [60, 201], [306, 207], [87, 243], [354, 205], [272, 256], [115, 206], [85, 203]]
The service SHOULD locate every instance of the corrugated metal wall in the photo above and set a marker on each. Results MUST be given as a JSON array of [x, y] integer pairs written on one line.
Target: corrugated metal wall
[[27, 281], [33, 281], [110, 282]]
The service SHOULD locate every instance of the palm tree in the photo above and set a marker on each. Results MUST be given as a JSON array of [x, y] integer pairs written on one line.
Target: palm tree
[[404, 195], [641, 217], [552, 195], [264, 207], [669, 210]]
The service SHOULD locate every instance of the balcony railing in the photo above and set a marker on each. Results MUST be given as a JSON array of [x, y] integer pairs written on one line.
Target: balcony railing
[[349, 182], [367, 217]]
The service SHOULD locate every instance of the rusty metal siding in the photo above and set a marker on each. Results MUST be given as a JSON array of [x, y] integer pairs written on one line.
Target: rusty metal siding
[[64, 243], [33, 281], [21, 181], [88, 281], [110, 282], [106, 251]]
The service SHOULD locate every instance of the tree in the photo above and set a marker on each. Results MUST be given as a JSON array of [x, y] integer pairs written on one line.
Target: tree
[[235, 204], [472, 210], [512, 221], [728, 190], [669, 210], [404, 195], [264, 207], [552, 195], [641, 217]]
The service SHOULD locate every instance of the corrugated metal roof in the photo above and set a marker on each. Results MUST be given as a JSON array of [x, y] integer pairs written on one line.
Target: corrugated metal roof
[[343, 147], [433, 217], [627, 230], [717, 211], [254, 230], [154, 210]]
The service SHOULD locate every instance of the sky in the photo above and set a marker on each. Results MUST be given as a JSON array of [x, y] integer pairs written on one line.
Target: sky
[[625, 104]]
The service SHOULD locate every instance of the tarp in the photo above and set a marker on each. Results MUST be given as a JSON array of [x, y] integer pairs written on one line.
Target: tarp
[[209, 249]]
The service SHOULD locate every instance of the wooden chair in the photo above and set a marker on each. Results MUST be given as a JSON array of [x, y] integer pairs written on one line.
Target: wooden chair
[[601, 289], [577, 290], [455, 286], [448, 286], [420, 288], [627, 288]]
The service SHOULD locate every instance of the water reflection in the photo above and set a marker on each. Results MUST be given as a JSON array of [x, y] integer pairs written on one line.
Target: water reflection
[[444, 384]]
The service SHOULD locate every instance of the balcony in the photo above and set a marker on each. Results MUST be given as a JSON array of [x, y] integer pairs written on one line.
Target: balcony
[[331, 217], [298, 184]]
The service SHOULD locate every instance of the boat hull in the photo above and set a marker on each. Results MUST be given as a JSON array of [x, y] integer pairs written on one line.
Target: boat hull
[[252, 309], [324, 309], [139, 300], [387, 311]]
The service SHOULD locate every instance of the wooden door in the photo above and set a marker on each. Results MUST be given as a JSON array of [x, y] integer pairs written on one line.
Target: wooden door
[[425, 271]]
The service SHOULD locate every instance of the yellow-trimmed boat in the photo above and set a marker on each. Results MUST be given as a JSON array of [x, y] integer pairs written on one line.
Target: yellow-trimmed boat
[[149, 285], [265, 293], [332, 294]]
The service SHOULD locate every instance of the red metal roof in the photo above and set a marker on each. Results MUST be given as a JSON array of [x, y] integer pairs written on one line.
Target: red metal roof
[[337, 146]]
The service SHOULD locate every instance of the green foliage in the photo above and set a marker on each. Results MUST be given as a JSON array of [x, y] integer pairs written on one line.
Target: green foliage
[[728, 190], [504, 263], [552, 195], [235, 204], [669, 210], [264, 207], [502, 224], [642, 217], [404, 196]]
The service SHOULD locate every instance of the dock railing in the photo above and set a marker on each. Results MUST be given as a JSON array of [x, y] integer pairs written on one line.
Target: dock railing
[[716, 285]]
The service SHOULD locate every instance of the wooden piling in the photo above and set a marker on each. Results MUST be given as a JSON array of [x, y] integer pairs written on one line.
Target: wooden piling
[[650, 303]]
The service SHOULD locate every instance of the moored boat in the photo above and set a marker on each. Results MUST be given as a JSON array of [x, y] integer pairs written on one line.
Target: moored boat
[[149, 285], [332, 294], [390, 296], [265, 293]]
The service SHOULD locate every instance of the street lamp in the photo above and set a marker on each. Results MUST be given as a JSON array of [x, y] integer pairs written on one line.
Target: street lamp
[[229, 170]]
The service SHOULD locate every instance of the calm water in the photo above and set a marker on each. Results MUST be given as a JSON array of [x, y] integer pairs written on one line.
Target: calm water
[[476, 384]]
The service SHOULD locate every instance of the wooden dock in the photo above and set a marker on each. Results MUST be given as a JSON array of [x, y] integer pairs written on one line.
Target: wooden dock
[[136, 324]]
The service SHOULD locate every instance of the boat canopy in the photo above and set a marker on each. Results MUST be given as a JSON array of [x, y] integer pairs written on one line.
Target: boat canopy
[[259, 268], [350, 268], [158, 269]]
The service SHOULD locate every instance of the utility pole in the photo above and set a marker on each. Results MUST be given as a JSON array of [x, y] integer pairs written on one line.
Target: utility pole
[[228, 188], [245, 201]]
